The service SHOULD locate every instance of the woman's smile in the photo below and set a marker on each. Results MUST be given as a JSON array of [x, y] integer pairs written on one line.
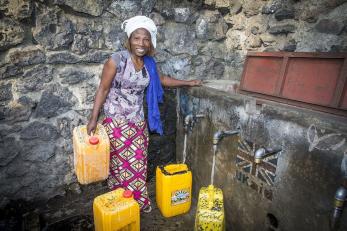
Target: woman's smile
[[140, 51], [140, 42]]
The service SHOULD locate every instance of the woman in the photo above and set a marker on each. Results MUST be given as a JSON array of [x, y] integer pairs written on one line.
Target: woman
[[125, 76]]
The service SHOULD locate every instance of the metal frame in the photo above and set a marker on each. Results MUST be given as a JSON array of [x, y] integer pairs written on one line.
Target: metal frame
[[340, 90]]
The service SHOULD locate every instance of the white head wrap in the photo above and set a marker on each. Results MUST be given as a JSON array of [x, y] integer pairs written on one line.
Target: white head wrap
[[137, 22]]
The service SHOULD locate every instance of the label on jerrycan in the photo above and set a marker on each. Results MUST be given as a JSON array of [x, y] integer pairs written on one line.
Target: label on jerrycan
[[180, 196]]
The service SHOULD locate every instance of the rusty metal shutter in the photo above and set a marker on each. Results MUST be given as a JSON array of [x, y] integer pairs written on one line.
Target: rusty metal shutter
[[312, 80]]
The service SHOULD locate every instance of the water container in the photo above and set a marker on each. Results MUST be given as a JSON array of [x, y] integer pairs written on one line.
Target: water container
[[173, 189], [91, 154], [210, 210], [116, 210]]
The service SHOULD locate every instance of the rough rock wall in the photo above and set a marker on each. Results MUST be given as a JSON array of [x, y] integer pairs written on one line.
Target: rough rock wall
[[52, 52], [279, 25]]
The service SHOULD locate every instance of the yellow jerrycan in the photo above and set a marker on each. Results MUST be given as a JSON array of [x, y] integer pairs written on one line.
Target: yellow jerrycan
[[116, 210], [210, 210], [173, 189], [91, 154]]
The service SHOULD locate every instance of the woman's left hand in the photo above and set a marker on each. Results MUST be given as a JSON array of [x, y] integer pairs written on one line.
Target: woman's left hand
[[194, 82]]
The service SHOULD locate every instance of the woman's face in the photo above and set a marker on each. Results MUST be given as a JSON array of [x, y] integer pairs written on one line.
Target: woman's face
[[140, 42]]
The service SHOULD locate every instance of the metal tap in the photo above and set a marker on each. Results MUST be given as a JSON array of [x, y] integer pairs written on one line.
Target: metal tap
[[262, 152], [340, 197], [219, 135], [190, 120], [339, 203]]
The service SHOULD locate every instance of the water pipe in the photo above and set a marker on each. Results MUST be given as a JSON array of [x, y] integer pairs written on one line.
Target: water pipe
[[190, 120], [219, 135], [262, 152], [339, 203]]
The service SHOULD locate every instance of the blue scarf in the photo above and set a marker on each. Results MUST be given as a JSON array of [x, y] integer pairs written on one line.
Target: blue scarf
[[154, 95]]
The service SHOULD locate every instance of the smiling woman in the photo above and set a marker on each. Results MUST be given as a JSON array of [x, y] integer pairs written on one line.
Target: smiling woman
[[124, 79]]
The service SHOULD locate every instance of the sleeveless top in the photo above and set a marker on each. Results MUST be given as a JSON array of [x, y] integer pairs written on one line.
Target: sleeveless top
[[125, 98]]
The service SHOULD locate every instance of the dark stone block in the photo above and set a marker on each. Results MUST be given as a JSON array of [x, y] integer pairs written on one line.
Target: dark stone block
[[10, 71], [42, 71], [25, 100], [18, 168], [6, 131], [38, 130], [18, 111], [5, 92], [63, 58], [328, 26], [38, 151], [148, 5], [9, 149], [27, 56], [96, 56], [34, 79], [54, 34], [218, 69], [282, 29], [51, 105], [291, 46], [74, 77], [284, 14]]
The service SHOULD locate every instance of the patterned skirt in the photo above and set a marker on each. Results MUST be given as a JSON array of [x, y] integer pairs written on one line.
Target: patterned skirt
[[128, 158]]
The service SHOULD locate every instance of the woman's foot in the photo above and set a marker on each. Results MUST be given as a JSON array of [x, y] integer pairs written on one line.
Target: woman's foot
[[148, 209]]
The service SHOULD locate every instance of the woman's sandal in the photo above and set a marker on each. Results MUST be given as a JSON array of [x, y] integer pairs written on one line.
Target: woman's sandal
[[148, 209]]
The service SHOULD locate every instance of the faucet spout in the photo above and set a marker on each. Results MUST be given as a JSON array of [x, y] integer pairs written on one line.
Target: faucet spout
[[219, 135], [340, 199], [189, 121], [261, 153]]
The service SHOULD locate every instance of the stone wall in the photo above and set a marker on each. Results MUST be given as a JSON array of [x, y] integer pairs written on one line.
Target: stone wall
[[52, 54]]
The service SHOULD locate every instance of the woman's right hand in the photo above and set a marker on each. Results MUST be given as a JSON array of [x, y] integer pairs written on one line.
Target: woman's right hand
[[91, 126]]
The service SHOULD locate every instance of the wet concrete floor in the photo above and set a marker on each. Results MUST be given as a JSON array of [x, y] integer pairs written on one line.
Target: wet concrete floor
[[74, 212]]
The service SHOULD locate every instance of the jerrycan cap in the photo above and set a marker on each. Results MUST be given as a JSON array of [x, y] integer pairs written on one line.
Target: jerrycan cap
[[93, 140], [127, 193]]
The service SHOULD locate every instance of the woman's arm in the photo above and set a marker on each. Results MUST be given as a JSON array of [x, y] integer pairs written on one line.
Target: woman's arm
[[108, 73], [167, 81]]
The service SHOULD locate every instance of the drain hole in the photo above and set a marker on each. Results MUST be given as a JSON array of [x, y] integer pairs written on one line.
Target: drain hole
[[272, 220]]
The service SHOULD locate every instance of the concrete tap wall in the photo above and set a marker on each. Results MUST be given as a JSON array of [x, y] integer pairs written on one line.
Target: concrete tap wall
[[293, 190]]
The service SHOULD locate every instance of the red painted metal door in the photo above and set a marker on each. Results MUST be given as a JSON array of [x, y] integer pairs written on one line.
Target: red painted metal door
[[313, 80]]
